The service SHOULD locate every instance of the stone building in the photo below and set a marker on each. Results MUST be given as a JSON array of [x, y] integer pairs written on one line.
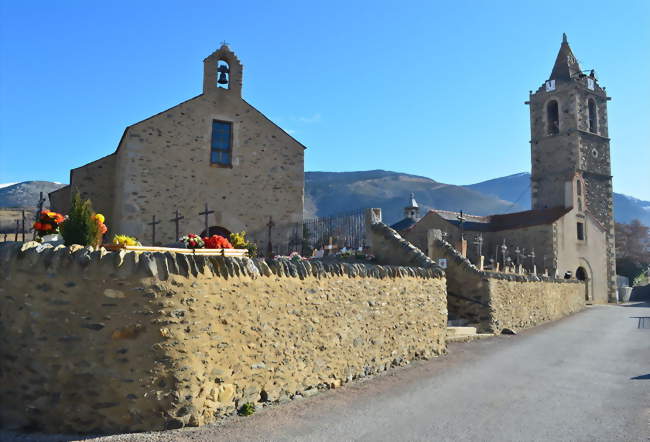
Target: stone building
[[214, 148], [571, 226]]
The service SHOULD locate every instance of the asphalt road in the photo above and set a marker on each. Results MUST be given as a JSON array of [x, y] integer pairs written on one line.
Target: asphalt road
[[583, 378]]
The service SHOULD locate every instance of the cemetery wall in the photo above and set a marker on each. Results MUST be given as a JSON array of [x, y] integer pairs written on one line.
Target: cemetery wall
[[92, 340], [494, 301]]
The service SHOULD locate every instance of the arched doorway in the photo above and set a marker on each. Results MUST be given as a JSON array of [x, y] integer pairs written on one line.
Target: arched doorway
[[581, 275], [216, 230]]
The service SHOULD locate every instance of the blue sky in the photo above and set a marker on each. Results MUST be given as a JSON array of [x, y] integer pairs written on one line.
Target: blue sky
[[429, 88]]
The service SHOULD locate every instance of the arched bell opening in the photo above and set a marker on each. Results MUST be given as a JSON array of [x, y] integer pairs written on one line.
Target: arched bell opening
[[223, 74], [216, 230], [552, 118]]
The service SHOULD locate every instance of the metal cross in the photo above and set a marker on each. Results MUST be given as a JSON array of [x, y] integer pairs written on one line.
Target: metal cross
[[224, 43], [532, 258], [206, 213], [23, 226], [504, 249], [176, 219], [269, 247], [41, 200], [518, 253], [153, 233], [17, 229], [461, 220]]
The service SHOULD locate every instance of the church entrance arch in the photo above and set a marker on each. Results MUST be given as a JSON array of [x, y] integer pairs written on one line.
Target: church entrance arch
[[216, 230], [583, 273]]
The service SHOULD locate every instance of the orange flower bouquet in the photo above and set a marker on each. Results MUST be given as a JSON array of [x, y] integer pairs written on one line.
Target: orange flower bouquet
[[48, 223], [217, 242]]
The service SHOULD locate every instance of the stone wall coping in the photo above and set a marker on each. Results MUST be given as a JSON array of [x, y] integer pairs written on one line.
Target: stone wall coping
[[468, 266], [163, 264], [416, 256]]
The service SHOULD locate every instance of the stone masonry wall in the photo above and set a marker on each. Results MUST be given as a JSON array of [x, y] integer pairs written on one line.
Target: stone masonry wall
[[92, 340], [494, 301]]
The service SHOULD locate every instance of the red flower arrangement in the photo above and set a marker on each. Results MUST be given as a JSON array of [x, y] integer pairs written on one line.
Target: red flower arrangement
[[217, 242], [48, 222], [193, 241]]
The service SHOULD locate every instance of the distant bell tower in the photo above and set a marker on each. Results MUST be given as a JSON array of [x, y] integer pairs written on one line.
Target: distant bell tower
[[570, 145], [412, 211]]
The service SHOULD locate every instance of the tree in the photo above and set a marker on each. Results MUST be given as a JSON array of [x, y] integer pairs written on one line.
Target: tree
[[632, 249], [80, 227]]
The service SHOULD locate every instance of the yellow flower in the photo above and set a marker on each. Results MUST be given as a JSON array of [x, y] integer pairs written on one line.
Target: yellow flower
[[99, 217]]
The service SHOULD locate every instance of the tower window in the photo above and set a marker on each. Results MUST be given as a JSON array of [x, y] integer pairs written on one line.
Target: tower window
[[552, 118], [579, 187], [223, 74], [593, 120], [221, 146], [581, 231]]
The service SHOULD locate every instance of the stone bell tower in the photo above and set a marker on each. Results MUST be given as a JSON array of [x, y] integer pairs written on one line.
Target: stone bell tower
[[570, 146], [222, 72]]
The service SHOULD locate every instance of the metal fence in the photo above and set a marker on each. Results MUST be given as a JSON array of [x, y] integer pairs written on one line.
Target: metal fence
[[331, 233]]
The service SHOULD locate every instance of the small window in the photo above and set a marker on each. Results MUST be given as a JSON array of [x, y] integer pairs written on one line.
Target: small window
[[552, 118], [221, 146], [579, 187], [581, 231], [593, 120]]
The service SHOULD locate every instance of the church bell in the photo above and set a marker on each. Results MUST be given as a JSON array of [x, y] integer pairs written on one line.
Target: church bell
[[223, 70]]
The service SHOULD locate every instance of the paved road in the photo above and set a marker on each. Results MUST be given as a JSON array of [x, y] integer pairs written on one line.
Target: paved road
[[584, 378]]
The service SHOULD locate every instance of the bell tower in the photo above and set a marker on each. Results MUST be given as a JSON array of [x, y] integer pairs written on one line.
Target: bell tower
[[222, 72], [570, 153]]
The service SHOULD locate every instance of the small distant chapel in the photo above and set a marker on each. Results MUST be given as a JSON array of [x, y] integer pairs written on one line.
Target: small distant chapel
[[213, 149], [570, 229]]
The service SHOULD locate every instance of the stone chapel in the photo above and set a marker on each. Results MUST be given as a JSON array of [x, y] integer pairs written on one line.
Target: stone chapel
[[571, 226], [213, 149]]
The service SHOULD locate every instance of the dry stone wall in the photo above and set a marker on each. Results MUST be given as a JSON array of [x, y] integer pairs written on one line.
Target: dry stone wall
[[495, 301], [92, 340]]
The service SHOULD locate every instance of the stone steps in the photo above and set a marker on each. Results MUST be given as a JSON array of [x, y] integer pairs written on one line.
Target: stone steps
[[458, 331], [465, 334], [467, 338]]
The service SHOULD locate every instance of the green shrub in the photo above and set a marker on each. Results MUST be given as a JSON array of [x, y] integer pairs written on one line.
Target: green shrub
[[247, 409], [80, 227]]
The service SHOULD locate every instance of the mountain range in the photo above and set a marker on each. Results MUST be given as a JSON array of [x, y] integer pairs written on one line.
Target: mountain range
[[330, 193]]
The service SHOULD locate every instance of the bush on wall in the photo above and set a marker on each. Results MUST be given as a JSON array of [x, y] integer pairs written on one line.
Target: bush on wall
[[81, 227]]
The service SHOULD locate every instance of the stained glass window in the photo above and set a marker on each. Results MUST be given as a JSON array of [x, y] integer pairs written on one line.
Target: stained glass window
[[221, 146]]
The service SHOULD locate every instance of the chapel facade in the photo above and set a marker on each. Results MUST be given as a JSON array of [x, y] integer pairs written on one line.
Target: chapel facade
[[213, 149], [570, 229]]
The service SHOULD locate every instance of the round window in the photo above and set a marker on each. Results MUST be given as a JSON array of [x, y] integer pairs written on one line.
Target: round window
[[594, 152]]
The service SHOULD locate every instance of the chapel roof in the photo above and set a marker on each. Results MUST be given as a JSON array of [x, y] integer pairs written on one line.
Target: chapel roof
[[506, 221]]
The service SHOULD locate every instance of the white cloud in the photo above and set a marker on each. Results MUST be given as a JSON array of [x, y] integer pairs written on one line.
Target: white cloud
[[316, 118], [290, 131], [6, 185]]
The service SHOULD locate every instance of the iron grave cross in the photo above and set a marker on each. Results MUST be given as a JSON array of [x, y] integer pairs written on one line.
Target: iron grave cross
[[461, 220], [269, 247], [153, 233], [176, 219], [206, 213]]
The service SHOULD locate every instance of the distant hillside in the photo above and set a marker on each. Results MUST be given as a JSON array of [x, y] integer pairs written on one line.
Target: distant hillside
[[517, 186], [328, 193], [26, 194]]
